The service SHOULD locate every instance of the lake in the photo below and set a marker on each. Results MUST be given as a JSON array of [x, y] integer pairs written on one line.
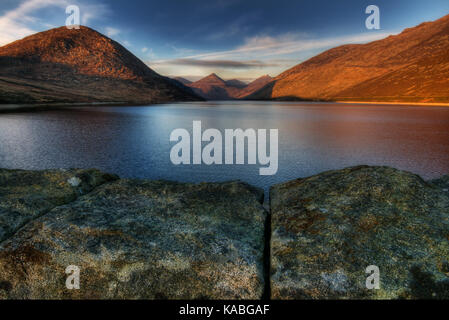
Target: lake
[[313, 137]]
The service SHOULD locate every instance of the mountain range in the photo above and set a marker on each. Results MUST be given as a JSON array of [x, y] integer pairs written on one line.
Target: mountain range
[[80, 65], [83, 66], [213, 87], [412, 66]]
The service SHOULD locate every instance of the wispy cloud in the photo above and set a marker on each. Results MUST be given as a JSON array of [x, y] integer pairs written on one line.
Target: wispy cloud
[[287, 44], [111, 32], [248, 64], [23, 21], [91, 11], [259, 55], [148, 52], [181, 51]]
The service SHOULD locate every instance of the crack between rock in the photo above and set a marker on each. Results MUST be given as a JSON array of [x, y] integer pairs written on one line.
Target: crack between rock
[[267, 254], [266, 294]]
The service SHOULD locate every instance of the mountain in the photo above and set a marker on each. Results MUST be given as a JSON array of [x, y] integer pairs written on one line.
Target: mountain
[[254, 86], [412, 66], [184, 81], [82, 66], [213, 87], [235, 83]]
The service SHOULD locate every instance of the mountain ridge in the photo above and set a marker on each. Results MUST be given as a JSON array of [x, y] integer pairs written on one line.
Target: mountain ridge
[[80, 65], [212, 87], [412, 66]]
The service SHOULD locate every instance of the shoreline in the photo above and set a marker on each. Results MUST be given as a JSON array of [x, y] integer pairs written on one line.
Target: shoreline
[[6, 108], [424, 104]]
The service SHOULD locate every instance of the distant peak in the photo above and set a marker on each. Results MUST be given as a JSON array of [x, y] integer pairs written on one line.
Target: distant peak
[[263, 79], [214, 75], [211, 78]]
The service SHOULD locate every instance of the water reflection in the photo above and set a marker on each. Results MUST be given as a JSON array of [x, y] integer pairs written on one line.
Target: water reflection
[[313, 137]]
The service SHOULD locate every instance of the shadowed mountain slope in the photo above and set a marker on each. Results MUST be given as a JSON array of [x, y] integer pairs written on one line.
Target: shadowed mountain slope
[[184, 81]]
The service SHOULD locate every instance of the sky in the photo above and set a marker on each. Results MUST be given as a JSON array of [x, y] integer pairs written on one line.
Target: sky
[[241, 39]]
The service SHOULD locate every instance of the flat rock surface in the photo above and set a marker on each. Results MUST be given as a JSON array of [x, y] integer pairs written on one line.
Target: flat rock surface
[[26, 195], [139, 239], [327, 229]]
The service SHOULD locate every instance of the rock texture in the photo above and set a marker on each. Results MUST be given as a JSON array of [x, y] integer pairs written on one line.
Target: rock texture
[[137, 239], [442, 183], [141, 239], [327, 229], [412, 66], [80, 66], [26, 195]]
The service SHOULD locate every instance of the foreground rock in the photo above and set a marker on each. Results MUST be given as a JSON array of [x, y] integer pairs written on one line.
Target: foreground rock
[[327, 229], [26, 195], [142, 239]]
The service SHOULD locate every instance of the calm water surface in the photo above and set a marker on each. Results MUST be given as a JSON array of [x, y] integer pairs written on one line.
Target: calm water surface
[[313, 137]]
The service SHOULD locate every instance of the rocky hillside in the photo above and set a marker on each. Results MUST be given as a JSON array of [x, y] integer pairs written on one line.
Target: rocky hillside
[[213, 87], [139, 239], [412, 66], [69, 65]]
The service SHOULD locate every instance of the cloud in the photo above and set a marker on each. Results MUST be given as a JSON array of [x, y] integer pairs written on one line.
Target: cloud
[[14, 23], [148, 53], [93, 11], [181, 51], [111, 32], [249, 64], [265, 46], [258, 55], [21, 21]]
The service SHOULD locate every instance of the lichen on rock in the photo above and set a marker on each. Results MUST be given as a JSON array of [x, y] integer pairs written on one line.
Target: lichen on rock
[[138, 239], [25, 195], [326, 229], [135, 239]]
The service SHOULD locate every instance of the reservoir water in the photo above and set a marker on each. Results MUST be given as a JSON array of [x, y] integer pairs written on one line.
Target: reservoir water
[[313, 137]]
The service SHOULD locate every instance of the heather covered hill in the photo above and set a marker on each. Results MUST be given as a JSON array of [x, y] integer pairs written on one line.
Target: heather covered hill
[[412, 66], [70, 65]]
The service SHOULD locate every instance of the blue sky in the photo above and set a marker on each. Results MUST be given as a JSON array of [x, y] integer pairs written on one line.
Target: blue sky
[[234, 38]]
